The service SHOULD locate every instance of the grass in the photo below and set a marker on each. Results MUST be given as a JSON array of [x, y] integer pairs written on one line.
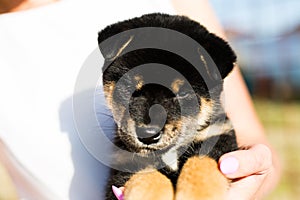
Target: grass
[[282, 123]]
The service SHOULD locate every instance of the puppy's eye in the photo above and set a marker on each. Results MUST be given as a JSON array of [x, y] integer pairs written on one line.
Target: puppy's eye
[[183, 94]]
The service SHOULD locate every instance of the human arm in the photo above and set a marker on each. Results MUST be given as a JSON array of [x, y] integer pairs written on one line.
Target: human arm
[[7, 6], [20, 183]]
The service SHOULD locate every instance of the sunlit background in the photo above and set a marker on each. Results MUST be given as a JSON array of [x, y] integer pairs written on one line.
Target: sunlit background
[[266, 36]]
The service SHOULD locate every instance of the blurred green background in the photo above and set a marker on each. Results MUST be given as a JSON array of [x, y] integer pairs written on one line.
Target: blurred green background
[[266, 37], [282, 124]]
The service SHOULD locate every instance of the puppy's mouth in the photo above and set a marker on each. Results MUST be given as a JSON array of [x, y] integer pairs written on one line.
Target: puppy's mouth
[[149, 134], [150, 138], [153, 139]]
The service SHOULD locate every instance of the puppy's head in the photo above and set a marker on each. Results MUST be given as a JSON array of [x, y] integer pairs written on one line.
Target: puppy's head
[[159, 99]]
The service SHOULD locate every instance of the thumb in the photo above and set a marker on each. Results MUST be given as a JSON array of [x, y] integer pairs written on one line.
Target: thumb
[[246, 188], [242, 163]]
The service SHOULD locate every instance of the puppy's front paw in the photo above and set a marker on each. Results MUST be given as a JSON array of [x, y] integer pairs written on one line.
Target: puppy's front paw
[[200, 178], [148, 185]]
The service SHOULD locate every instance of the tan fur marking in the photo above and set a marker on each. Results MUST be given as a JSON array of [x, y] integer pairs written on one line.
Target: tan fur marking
[[108, 92], [206, 110], [122, 48], [139, 82], [173, 124], [130, 126], [205, 63], [187, 131], [176, 84], [116, 109], [200, 178], [214, 130], [148, 184], [169, 133]]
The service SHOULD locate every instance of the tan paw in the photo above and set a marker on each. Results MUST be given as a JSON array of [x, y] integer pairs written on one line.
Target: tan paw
[[200, 178], [149, 185]]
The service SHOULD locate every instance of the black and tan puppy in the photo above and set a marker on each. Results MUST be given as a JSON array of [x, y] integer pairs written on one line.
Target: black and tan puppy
[[170, 119]]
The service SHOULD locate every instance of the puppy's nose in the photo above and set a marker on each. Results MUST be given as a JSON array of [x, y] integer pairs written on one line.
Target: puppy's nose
[[148, 135]]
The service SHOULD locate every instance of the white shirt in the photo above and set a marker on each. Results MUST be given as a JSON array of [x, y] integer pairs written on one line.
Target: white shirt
[[41, 53]]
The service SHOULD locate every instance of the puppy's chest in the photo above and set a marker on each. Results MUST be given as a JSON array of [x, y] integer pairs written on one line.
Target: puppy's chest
[[174, 159], [213, 147]]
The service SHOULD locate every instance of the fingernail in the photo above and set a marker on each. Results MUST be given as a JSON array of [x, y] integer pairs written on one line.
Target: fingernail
[[118, 192], [229, 165]]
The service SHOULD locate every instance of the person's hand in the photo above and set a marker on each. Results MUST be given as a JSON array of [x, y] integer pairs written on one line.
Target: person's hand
[[247, 169]]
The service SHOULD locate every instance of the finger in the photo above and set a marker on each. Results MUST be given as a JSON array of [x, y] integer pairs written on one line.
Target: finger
[[118, 192], [122, 189], [237, 164], [245, 188]]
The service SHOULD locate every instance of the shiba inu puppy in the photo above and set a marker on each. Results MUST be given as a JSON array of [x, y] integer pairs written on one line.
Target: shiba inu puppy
[[168, 111]]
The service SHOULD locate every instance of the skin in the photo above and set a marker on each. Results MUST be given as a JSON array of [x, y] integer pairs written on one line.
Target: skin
[[7, 6], [259, 168], [18, 176]]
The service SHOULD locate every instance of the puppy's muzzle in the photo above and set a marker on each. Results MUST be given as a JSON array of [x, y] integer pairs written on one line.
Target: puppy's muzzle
[[148, 135]]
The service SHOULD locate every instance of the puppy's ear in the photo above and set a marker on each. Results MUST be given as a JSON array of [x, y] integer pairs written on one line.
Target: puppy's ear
[[221, 53], [113, 40]]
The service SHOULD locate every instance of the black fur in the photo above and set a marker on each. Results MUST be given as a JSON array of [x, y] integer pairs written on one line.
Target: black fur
[[142, 99], [217, 48]]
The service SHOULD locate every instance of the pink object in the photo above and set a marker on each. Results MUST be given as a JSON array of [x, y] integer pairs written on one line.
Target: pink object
[[229, 165], [118, 192]]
